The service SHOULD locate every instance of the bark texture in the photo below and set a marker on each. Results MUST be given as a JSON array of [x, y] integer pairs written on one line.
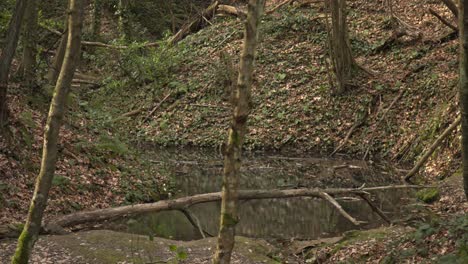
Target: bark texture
[[32, 227], [29, 42], [233, 152], [463, 15], [8, 52], [339, 47], [54, 71]]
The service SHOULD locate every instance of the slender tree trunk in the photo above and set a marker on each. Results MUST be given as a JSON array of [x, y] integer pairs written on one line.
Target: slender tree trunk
[[51, 136], [463, 16], [8, 52], [233, 153], [339, 47], [30, 48], [124, 20], [54, 70], [97, 10]]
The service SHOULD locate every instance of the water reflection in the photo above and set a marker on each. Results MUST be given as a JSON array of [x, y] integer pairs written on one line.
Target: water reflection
[[306, 218]]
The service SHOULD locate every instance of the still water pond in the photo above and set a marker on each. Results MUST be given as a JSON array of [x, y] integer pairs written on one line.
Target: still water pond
[[196, 172]]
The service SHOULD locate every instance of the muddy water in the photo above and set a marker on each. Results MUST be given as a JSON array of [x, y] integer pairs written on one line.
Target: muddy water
[[304, 218]]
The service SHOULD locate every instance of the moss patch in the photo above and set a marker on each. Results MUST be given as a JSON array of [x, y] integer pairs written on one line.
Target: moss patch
[[428, 195]]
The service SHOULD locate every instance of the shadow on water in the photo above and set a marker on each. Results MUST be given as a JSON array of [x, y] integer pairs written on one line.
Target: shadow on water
[[195, 172]]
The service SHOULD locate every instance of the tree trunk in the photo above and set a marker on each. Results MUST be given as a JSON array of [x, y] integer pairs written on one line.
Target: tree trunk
[[51, 135], [30, 48], [339, 47], [54, 70], [233, 153], [97, 10], [8, 52], [463, 15]]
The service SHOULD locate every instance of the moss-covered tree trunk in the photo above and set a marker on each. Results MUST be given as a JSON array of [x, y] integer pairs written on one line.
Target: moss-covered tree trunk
[[463, 16], [339, 47], [233, 152], [51, 136], [29, 44], [8, 52]]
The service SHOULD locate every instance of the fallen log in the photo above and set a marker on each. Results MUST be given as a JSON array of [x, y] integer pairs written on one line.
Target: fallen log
[[57, 225], [232, 10]]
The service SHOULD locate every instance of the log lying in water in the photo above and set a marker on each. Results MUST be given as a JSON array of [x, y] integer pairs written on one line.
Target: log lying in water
[[67, 221]]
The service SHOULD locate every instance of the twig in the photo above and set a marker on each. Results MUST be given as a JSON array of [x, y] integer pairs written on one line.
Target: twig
[[432, 148], [340, 209], [210, 106]]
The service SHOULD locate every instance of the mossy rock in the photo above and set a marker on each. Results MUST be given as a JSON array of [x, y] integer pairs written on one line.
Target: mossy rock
[[428, 195]]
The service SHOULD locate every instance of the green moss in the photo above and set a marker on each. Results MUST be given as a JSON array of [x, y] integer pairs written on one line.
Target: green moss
[[354, 236], [22, 255], [428, 195], [229, 220]]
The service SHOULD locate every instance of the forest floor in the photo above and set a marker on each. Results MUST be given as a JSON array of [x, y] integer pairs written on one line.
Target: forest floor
[[409, 99]]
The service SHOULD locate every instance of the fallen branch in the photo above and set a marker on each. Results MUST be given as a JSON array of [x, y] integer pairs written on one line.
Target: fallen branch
[[156, 107], [356, 125], [99, 215], [400, 94], [452, 7], [195, 222], [375, 208], [278, 6], [340, 209], [196, 24], [432, 148], [99, 44], [442, 19]]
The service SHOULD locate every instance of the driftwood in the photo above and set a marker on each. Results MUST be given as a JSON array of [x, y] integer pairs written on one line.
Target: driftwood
[[67, 221], [432, 148], [195, 24], [442, 19]]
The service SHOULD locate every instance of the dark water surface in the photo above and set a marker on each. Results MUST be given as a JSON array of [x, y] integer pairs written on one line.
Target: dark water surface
[[195, 172]]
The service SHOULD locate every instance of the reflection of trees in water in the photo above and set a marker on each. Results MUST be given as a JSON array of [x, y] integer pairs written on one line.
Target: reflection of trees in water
[[281, 218]]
